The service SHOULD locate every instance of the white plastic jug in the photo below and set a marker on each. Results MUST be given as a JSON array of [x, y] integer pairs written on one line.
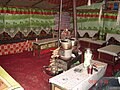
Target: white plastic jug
[[87, 57]]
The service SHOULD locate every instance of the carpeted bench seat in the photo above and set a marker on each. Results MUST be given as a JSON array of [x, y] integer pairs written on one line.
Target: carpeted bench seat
[[113, 50]]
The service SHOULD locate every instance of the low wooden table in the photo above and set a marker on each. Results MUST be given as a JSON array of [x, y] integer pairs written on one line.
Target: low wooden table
[[72, 80], [44, 44]]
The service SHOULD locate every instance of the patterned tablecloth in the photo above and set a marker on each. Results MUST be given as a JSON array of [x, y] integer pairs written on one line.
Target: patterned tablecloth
[[81, 80]]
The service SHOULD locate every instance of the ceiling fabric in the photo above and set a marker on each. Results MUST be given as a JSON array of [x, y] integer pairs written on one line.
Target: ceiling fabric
[[45, 4]]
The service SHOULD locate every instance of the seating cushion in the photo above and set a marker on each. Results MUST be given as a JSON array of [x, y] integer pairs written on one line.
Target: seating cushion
[[110, 49]]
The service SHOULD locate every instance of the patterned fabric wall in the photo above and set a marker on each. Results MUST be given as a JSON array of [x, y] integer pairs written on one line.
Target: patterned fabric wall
[[14, 20], [90, 19], [25, 23], [65, 21]]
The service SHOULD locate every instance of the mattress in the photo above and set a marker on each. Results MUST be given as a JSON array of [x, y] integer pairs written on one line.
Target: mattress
[[110, 49]]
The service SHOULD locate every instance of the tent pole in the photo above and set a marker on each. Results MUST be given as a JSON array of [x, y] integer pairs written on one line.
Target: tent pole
[[103, 30], [59, 24], [75, 19]]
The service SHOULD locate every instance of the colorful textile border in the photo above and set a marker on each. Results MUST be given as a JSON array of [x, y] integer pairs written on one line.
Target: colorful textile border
[[96, 15], [26, 11]]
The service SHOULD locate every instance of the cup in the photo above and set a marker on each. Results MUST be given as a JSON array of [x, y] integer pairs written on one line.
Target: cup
[[90, 69]]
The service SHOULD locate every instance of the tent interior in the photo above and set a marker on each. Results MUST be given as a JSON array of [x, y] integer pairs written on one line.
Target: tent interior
[[95, 24], [30, 18], [44, 4]]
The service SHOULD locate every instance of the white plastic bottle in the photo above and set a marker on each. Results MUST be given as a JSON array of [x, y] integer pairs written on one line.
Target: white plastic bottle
[[87, 57]]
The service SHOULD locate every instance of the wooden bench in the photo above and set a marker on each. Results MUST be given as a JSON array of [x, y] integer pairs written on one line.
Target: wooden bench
[[44, 44]]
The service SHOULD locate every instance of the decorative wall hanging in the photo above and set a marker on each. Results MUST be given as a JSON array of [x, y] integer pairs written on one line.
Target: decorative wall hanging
[[26, 11], [25, 21], [65, 21]]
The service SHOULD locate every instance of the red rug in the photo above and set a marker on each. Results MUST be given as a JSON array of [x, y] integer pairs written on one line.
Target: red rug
[[28, 69]]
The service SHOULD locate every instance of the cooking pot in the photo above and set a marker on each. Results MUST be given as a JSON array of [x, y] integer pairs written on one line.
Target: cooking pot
[[74, 41], [65, 54], [66, 44]]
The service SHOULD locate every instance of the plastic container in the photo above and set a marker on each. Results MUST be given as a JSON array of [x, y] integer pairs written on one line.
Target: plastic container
[[87, 57]]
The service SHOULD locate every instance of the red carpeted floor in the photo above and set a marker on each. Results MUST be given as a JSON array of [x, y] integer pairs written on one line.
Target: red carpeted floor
[[28, 70]]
